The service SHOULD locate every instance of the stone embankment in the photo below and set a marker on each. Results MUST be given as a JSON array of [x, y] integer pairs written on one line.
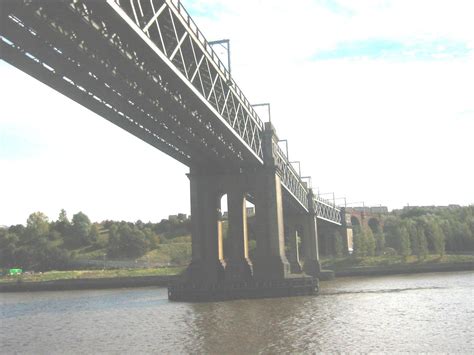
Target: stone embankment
[[165, 280], [85, 284], [404, 269]]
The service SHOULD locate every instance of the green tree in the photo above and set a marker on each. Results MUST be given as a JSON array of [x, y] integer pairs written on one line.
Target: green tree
[[379, 243], [338, 244], [151, 237], [370, 242], [8, 245], [127, 241], [133, 242], [37, 225], [418, 240], [80, 234], [404, 244], [63, 225], [439, 242], [360, 242]]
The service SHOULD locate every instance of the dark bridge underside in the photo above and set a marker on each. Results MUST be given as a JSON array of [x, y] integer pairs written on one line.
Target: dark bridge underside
[[89, 53], [97, 61]]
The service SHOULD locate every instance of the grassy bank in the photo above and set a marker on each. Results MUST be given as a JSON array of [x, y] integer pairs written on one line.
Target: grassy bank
[[90, 274], [386, 261], [392, 265]]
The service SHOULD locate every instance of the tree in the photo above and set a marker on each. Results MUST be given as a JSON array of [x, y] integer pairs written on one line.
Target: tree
[[63, 225], [370, 242], [338, 244], [360, 244], [127, 241], [151, 237], [8, 245], [404, 244], [80, 230], [438, 240], [136, 243], [418, 240], [379, 243], [435, 236], [37, 225]]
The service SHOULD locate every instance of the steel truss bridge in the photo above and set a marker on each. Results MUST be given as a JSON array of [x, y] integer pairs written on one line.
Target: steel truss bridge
[[145, 66]]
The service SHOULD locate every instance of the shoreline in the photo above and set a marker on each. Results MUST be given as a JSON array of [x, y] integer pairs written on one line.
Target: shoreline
[[88, 283], [404, 269], [165, 280]]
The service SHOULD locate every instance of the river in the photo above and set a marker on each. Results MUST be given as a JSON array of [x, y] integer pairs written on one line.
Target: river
[[419, 313]]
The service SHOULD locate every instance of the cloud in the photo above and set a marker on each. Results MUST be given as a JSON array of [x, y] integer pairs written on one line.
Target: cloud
[[17, 142], [396, 50]]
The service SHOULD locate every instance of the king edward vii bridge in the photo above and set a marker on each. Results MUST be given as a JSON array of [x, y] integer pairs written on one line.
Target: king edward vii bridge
[[145, 66]]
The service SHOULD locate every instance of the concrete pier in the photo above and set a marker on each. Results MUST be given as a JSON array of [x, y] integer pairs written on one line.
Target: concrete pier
[[223, 274]]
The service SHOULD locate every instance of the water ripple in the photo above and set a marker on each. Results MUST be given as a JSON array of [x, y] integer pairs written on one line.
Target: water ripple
[[413, 313]]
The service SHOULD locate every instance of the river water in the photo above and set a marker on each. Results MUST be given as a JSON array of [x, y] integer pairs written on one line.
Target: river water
[[419, 313]]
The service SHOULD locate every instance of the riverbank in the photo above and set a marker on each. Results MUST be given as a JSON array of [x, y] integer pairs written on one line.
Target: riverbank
[[391, 265], [403, 269], [88, 279], [88, 284], [103, 279]]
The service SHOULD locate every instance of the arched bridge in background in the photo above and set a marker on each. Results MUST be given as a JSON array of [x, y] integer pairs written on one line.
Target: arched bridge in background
[[145, 66]]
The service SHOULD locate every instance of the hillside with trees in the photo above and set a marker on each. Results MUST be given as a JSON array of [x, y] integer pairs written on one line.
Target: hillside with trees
[[420, 232], [63, 244], [78, 243]]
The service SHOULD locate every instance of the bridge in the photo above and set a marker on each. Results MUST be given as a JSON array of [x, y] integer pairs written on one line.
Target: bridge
[[145, 66], [354, 220]]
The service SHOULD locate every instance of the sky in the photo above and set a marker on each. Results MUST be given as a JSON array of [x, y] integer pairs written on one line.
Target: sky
[[375, 98]]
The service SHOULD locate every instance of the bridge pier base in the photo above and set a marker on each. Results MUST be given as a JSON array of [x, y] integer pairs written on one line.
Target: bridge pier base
[[270, 262], [311, 265], [206, 264], [238, 264], [293, 248], [218, 274]]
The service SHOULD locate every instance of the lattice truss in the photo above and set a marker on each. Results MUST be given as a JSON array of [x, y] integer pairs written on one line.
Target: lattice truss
[[289, 177], [326, 210], [83, 50], [175, 34]]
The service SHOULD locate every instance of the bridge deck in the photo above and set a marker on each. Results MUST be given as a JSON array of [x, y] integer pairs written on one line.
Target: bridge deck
[[146, 67]]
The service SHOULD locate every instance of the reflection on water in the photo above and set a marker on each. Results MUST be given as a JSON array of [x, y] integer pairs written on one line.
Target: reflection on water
[[427, 312]]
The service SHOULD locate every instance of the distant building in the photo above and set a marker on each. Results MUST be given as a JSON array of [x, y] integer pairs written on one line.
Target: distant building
[[180, 217], [367, 209], [432, 207], [250, 213], [379, 209]]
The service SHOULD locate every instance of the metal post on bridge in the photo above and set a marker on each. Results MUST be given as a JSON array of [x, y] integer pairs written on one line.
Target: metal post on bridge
[[268, 107], [310, 181], [286, 147], [223, 42], [299, 166]]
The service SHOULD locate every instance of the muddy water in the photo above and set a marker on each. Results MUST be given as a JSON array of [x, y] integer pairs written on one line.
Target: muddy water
[[425, 312]]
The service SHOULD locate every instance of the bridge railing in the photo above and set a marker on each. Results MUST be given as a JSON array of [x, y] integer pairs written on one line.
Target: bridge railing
[[327, 210], [289, 177], [172, 30], [223, 69]]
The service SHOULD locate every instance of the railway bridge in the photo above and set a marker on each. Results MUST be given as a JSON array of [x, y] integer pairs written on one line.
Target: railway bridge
[[145, 66]]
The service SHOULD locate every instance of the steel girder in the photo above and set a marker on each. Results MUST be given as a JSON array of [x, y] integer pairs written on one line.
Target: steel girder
[[167, 27], [327, 211], [133, 75], [92, 59], [289, 177], [170, 28]]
